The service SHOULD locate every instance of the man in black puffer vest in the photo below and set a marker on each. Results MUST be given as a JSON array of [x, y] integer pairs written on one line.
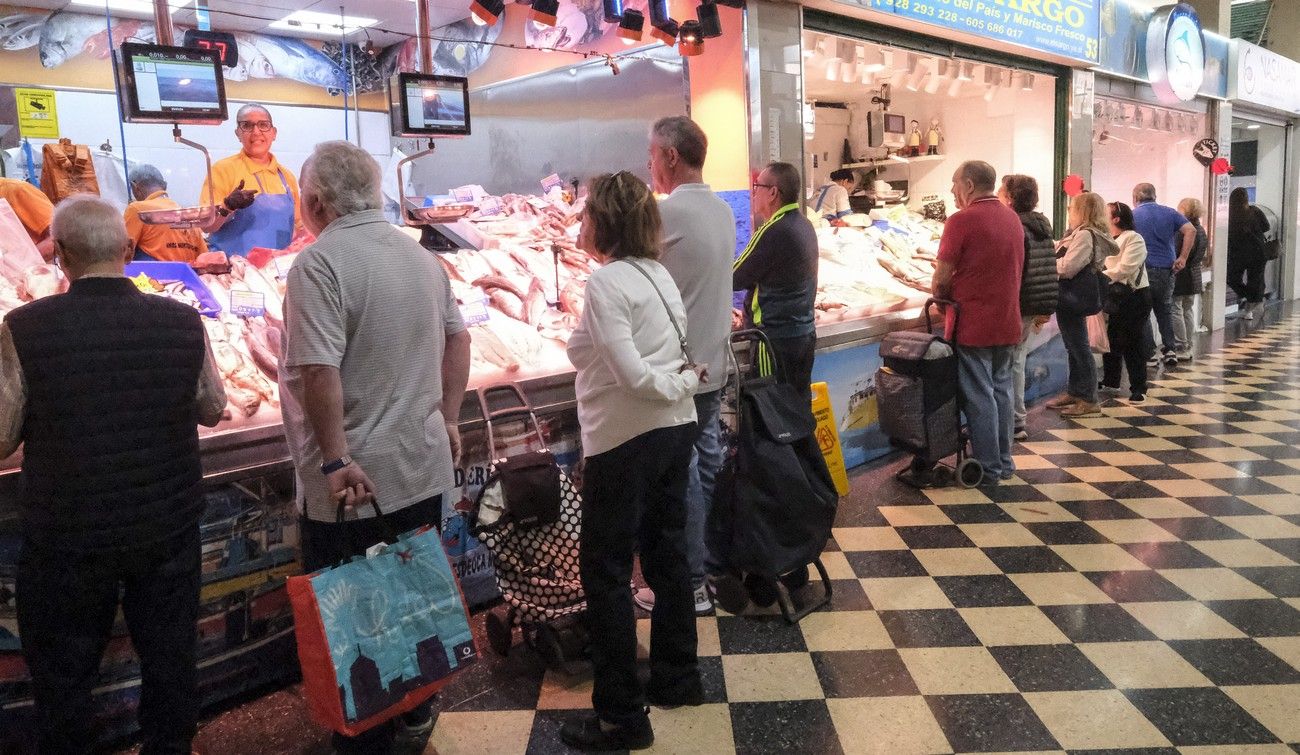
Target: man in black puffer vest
[[1038, 284], [105, 386]]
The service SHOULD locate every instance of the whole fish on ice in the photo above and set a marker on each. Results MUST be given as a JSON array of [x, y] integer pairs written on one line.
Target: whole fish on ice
[[297, 60], [21, 30]]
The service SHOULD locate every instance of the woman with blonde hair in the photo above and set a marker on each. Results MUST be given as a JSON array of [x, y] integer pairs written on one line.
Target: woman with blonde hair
[[635, 387], [1187, 282], [1081, 253]]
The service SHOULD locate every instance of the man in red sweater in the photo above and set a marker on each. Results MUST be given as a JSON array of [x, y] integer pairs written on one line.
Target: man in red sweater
[[981, 256]]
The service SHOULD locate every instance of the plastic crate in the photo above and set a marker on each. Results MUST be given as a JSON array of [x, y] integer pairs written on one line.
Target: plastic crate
[[178, 272]]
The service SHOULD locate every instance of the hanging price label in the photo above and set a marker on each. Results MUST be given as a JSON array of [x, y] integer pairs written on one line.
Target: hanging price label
[[247, 303], [550, 182], [463, 194], [490, 206], [475, 311]]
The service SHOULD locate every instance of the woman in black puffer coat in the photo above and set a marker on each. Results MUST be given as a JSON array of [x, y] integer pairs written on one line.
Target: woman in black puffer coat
[[1038, 286]]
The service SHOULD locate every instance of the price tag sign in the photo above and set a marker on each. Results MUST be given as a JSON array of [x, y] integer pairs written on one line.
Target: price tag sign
[[551, 182], [463, 194], [247, 303], [490, 206], [281, 268], [475, 311], [933, 208]]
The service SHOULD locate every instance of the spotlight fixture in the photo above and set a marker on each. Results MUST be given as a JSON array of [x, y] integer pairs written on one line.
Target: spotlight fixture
[[544, 11], [659, 12], [690, 38], [613, 11], [710, 21], [486, 12], [631, 26], [665, 32]]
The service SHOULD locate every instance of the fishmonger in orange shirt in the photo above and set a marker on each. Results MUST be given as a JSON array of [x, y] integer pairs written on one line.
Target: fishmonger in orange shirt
[[34, 211], [158, 242]]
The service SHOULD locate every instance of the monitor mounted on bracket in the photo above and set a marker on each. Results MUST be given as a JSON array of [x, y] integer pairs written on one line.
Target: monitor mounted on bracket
[[429, 105], [160, 84]]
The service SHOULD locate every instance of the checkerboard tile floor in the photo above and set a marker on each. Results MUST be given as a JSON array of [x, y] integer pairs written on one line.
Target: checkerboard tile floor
[[1135, 587]]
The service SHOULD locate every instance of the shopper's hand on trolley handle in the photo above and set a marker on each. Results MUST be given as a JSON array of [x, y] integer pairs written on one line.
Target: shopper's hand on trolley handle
[[351, 487], [702, 370]]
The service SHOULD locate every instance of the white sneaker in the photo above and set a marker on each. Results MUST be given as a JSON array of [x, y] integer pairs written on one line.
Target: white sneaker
[[645, 597]]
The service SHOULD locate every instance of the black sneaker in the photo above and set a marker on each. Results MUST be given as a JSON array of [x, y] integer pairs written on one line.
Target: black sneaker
[[1136, 398], [691, 694], [1170, 359], [589, 735]]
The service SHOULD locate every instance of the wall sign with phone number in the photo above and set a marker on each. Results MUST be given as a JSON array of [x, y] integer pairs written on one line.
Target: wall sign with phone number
[[1061, 27]]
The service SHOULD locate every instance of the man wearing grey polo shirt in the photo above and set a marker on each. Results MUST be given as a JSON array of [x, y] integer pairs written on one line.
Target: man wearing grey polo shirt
[[699, 243], [375, 363]]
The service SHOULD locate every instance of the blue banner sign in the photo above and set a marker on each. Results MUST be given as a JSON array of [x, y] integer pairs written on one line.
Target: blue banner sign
[[1061, 27]]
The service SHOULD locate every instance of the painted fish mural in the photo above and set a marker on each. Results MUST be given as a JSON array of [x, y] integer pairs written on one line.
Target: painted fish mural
[[19, 31]]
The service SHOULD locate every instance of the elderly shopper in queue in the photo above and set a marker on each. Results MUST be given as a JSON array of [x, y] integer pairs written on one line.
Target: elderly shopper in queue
[[111, 482], [699, 241], [1188, 282], [635, 388], [1082, 252], [1127, 325], [1037, 280], [371, 325], [1170, 239], [981, 260]]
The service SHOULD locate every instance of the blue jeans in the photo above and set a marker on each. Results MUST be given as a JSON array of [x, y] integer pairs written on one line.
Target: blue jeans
[[706, 460], [1162, 304], [1083, 368], [984, 376]]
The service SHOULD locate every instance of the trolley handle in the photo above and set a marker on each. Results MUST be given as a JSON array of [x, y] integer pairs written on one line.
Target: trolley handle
[[522, 410], [754, 335], [956, 313]]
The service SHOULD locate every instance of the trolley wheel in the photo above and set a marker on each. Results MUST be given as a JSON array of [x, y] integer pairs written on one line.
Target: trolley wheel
[[795, 580], [941, 477], [500, 634], [970, 473], [761, 590], [551, 648]]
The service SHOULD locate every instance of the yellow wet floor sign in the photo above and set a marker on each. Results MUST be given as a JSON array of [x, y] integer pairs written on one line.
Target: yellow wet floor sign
[[828, 437]]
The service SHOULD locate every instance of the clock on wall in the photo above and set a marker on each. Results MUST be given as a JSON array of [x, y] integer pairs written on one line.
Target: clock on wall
[[1175, 53]]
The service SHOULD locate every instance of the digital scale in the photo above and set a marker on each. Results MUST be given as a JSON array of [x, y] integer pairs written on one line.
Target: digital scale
[[429, 106]]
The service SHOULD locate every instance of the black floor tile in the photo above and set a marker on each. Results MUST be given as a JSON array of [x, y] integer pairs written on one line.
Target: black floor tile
[[1282, 581], [1203, 441], [884, 564], [496, 683], [545, 736], [1027, 559], [1128, 751], [979, 513], [1289, 547], [933, 628], [1199, 716], [1259, 618], [713, 678], [795, 726], [1019, 493], [1049, 668], [934, 536], [983, 590], [1136, 586], [1065, 461], [1199, 528], [1223, 505], [1043, 476], [1247, 486], [1179, 456], [1126, 489], [846, 595], [990, 723], [1090, 511], [1066, 533], [1102, 622], [1263, 468], [860, 516], [1176, 555], [1151, 472], [1233, 662], [769, 634], [864, 673]]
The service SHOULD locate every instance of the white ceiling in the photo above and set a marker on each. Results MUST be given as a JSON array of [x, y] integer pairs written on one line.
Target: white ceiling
[[233, 15]]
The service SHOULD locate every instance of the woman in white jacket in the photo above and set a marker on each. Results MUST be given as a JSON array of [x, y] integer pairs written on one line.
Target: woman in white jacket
[[635, 387], [1127, 324], [1081, 253]]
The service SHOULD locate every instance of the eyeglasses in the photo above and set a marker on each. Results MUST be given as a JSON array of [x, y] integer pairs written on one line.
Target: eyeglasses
[[248, 126], [762, 186]]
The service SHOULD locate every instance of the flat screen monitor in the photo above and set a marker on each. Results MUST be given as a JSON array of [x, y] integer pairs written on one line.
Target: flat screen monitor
[[158, 84], [429, 105], [895, 124]]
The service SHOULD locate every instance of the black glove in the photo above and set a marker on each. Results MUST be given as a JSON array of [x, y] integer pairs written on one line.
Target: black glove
[[239, 198]]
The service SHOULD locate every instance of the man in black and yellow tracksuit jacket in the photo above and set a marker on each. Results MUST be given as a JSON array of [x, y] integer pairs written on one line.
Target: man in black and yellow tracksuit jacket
[[778, 272]]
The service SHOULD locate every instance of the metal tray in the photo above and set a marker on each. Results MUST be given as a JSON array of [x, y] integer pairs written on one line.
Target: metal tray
[[180, 217], [445, 213]]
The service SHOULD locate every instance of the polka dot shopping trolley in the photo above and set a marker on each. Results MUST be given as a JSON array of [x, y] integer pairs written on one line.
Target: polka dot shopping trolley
[[529, 515]]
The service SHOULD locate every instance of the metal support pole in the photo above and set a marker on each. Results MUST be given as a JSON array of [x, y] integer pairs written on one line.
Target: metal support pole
[[422, 30], [162, 22]]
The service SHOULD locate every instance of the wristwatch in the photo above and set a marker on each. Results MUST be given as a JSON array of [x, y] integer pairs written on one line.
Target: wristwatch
[[330, 467]]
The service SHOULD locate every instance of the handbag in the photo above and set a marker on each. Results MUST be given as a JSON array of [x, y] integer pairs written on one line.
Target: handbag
[[379, 635], [1081, 295], [1098, 339]]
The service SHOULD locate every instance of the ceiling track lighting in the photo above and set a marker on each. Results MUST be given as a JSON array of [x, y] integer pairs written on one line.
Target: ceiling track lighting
[[709, 20], [690, 38], [665, 32], [631, 26], [486, 12], [613, 11], [544, 12]]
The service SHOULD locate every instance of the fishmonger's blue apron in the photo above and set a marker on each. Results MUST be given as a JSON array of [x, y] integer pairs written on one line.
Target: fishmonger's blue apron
[[268, 222]]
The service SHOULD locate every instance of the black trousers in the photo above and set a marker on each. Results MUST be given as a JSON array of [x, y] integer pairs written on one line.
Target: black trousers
[[66, 606], [326, 544], [634, 497], [1129, 348], [795, 355], [1246, 279]]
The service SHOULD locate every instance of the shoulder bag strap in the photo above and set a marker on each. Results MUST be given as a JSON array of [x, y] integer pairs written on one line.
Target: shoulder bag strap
[[681, 336]]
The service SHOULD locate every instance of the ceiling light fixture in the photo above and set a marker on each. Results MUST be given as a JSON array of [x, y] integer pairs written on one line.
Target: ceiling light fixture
[[665, 32], [710, 21], [486, 12], [317, 22], [613, 11], [544, 12], [133, 6], [631, 26], [690, 38]]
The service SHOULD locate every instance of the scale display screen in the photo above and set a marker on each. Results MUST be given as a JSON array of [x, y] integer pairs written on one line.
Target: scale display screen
[[160, 84], [429, 105]]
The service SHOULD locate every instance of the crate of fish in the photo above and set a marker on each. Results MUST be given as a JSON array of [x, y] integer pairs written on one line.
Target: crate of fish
[[175, 280]]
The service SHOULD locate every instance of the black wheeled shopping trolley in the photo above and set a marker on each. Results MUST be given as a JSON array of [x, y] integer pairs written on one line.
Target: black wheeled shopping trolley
[[529, 515], [920, 405]]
